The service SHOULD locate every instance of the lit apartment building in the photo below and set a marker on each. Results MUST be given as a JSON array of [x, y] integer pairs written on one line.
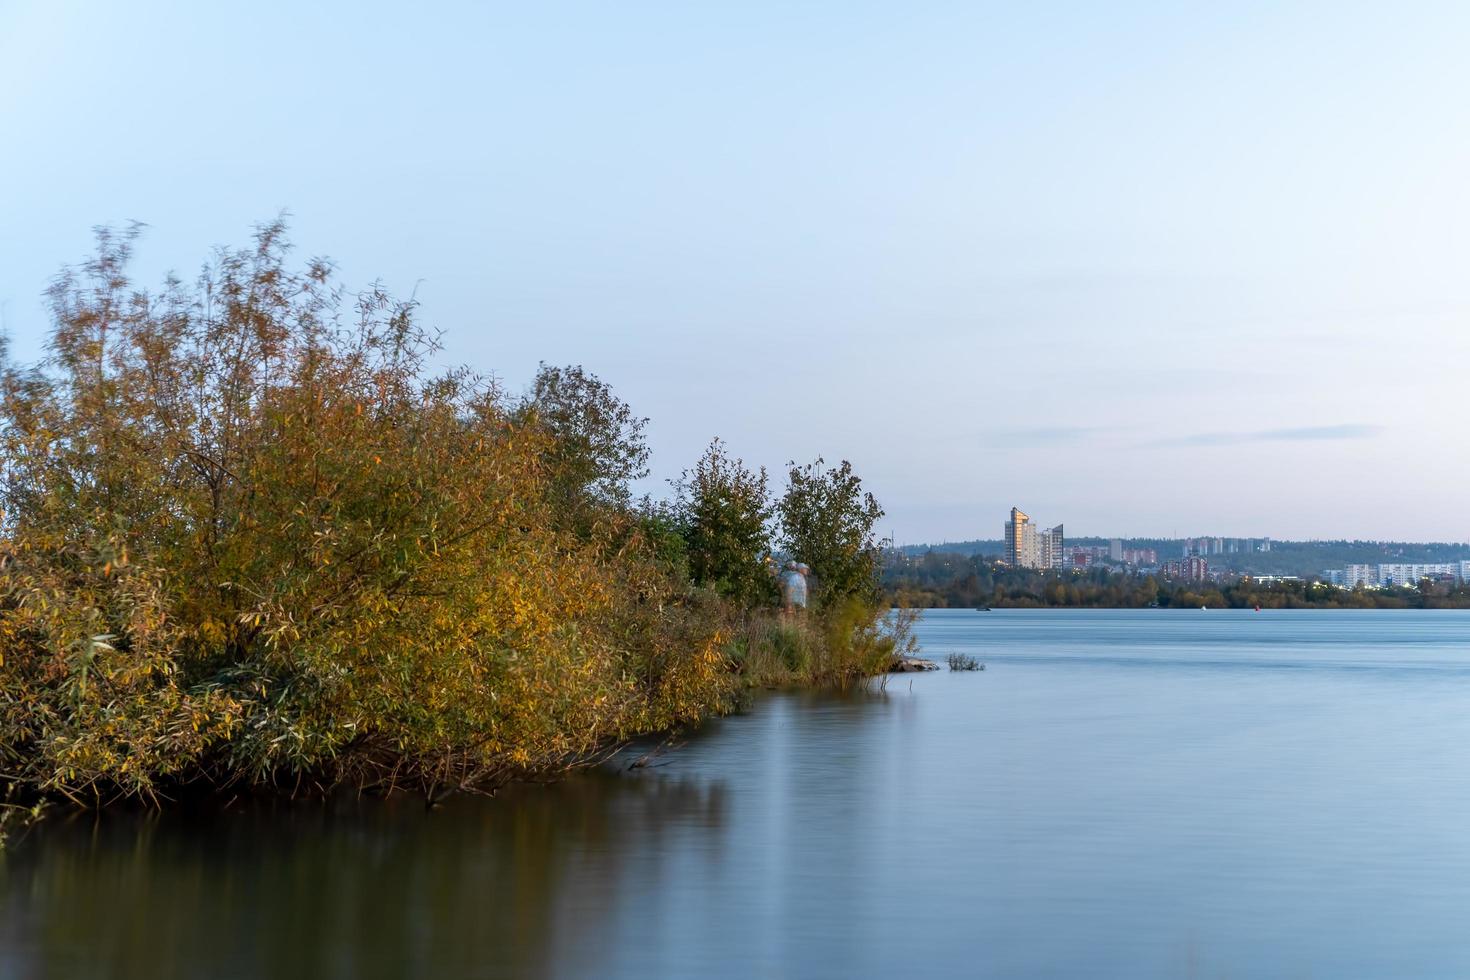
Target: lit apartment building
[[1049, 548], [1020, 538], [1026, 547], [1195, 568]]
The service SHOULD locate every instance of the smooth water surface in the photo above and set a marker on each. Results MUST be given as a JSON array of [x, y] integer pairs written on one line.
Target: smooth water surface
[[1148, 793]]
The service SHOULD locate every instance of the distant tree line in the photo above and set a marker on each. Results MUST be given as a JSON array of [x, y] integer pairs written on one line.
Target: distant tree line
[[948, 580]]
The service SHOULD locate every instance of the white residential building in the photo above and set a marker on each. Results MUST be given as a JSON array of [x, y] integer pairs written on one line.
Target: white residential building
[[1391, 574], [1410, 574]]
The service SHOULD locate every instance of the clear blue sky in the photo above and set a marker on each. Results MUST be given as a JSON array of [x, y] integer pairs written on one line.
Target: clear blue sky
[[1140, 267]]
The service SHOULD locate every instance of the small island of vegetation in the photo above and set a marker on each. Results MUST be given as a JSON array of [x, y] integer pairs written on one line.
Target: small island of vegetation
[[252, 541]]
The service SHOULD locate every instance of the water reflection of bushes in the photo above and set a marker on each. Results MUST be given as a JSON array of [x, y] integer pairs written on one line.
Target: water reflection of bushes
[[480, 887]]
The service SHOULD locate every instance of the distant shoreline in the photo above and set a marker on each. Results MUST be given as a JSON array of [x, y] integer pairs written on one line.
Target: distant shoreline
[[952, 581], [1185, 609]]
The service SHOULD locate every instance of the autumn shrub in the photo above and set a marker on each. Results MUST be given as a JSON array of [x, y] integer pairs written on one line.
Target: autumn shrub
[[248, 535]]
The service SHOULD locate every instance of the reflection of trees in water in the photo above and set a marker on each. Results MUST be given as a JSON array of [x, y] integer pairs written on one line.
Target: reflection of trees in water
[[477, 888], [542, 880]]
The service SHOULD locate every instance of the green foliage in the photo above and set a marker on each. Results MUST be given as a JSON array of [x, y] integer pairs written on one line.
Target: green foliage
[[595, 445], [771, 651], [662, 526], [725, 511], [827, 521], [838, 647]]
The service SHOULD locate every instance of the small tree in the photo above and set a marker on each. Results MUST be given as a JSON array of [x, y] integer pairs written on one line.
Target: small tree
[[827, 521], [725, 510], [596, 446]]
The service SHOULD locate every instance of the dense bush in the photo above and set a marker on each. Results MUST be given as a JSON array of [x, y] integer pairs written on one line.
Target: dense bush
[[247, 535]]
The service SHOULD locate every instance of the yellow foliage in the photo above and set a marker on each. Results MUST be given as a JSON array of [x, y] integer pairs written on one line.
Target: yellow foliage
[[239, 545], [246, 534]]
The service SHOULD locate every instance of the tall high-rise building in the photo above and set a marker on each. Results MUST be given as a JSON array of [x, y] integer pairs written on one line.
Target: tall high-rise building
[[1115, 550], [1026, 547], [1050, 548], [1020, 540]]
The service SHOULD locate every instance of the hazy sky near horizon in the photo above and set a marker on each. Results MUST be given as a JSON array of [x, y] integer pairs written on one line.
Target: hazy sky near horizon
[[1142, 268]]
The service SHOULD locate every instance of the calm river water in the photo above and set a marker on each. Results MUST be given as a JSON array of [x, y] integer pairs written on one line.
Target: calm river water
[[1120, 794]]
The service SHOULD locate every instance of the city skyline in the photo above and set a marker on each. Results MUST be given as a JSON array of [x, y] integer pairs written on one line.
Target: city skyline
[[1240, 543], [1209, 558]]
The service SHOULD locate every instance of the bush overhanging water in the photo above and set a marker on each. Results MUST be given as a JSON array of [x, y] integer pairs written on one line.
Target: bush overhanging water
[[251, 537]]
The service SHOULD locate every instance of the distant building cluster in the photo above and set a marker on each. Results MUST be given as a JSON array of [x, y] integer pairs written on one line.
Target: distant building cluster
[[1137, 557], [1028, 547], [1225, 546], [1203, 560], [1389, 575], [1194, 568], [1085, 556], [1090, 556]]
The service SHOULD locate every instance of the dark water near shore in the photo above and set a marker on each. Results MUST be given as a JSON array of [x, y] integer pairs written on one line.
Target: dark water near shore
[[1120, 794]]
